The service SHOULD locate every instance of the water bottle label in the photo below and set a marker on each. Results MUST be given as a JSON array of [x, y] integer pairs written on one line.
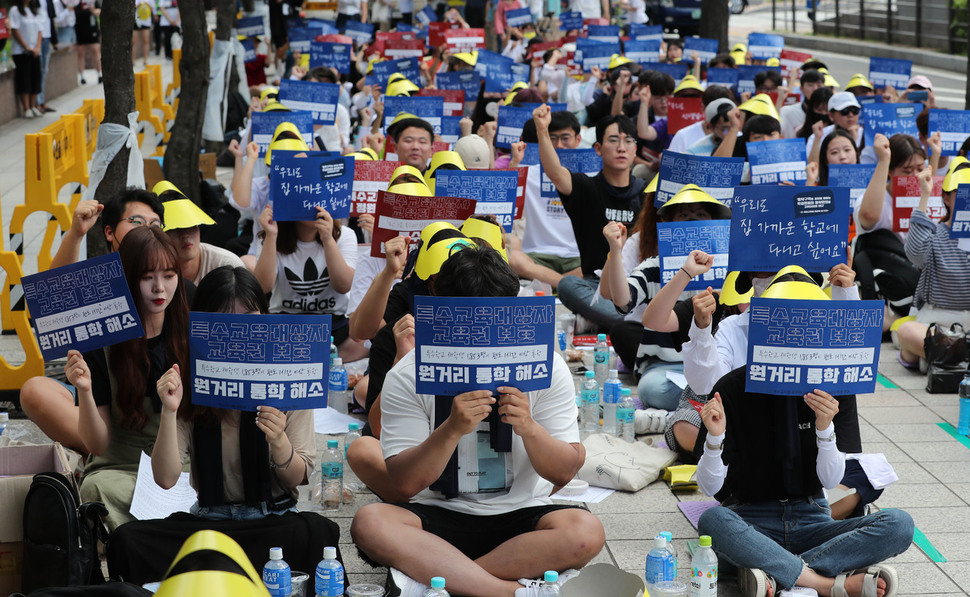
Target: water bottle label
[[332, 470], [591, 397], [561, 337], [338, 380], [329, 582], [656, 568], [624, 415], [277, 581], [601, 357]]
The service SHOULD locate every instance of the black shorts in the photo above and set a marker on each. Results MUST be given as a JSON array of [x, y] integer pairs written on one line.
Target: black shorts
[[475, 535], [26, 76]]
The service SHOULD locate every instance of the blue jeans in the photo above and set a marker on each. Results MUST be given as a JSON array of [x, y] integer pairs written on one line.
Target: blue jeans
[[655, 390], [577, 294], [45, 61], [781, 538], [234, 512]]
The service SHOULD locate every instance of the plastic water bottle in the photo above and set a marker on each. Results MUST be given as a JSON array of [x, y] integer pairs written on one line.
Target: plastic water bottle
[[703, 572], [437, 588], [276, 574], [550, 584], [338, 395], [601, 359], [963, 424], [624, 416], [561, 344], [329, 579], [333, 351], [657, 562], [353, 432], [590, 414], [612, 391], [332, 470], [671, 573], [4, 419]]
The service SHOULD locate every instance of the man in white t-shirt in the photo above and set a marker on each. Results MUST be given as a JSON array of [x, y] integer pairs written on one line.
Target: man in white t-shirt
[[505, 526]]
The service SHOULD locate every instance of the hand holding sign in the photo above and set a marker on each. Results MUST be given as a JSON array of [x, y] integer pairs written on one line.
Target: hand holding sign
[[324, 225], [169, 388], [468, 410], [713, 416], [77, 371], [704, 305], [404, 334], [842, 274], [825, 407], [513, 406], [272, 422]]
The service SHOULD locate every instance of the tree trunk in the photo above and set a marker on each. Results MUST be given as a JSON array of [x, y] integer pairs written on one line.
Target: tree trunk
[[181, 164], [714, 22], [119, 98], [225, 21]]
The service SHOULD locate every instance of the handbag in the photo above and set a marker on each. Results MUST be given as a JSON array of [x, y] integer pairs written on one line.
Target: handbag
[[947, 358]]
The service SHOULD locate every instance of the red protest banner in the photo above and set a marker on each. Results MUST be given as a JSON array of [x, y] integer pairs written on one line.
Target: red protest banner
[[4, 32], [404, 215], [464, 40], [403, 48], [537, 50], [436, 32], [369, 178], [520, 192], [682, 112], [791, 61], [454, 99], [906, 196], [335, 38]]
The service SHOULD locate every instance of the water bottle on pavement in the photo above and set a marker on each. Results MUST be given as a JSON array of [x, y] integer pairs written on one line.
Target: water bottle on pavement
[[4, 419], [703, 572], [332, 469], [333, 351], [671, 573], [276, 574], [601, 358], [550, 584], [625, 428], [963, 424], [329, 579], [561, 339], [437, 588], [590, 414], [612, 391], [657, 562], [338, 395]]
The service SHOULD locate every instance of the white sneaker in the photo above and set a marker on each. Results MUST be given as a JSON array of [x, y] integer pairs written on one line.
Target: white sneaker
[[401, 585], [28, 113], [36, 111], [651, 420]]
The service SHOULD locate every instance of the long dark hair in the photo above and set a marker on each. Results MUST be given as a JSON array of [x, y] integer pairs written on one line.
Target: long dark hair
[[147, 249], [22, 4], [646, 225], [823, 161]]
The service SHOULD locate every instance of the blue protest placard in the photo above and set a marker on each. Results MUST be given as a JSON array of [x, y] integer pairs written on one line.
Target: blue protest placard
[[592, 53], [406, 66], [82, 306], [518, 17], [250, 27], [464, 344], [264, 124], [889, 119], [299, 185], [954, 128], [869, 99], [722, 76], [301, 38], [240, 362], [854, 177], [361, 33], [586, 161], [796, 346], [642, 50], [747, 73], [777, 161], [603, 33], [468, 81], [322, 26], [776, 225], [249, 50], [647, 32], [320, 99], [763, 46], [428, 108], [500, 73], [450, 129], [676, 70], [960, 228], [426, 15], [889, 72], [717, 176], [675, 241], [511, 119], [570, 21], [530, 157], [329, 54], [705, 48], [494, 190], [404, 27]]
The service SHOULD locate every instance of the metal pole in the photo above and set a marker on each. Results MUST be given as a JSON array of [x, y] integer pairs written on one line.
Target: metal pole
[[889, 21], [794, 29], [774, 24], [862, 18], [838, 18]]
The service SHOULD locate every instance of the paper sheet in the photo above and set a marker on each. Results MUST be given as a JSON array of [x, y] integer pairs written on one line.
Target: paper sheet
[[693, 510], [329, 421], [592, 495], [678, 379], [151, 501]]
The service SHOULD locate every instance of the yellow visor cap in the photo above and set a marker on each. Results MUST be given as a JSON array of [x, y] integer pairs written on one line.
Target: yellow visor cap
[[488, 232], [183, 213]]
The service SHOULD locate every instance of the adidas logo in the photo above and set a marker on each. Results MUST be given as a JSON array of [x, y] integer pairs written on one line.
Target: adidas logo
[[312, 283]]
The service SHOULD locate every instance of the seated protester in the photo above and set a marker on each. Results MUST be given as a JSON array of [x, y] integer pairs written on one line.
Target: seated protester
[[793, 117], [941, 295], [767, 459], [838, 147], [674, 52], [818, 110], [182, 222], [475, 152], [860, 86], [118, 410], [414, 138], [844, 112], [880, 259], [465, 537], [336, 136], [759, 127], [618, 96], [693, 133], [46, 401], [407, 174], [442, 160], [242, 467], [718, 122], [614, 194], [658, 352], [767, 81], [739, 53], [661, 86]]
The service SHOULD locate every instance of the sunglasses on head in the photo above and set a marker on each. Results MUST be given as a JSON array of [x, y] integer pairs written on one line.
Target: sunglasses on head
[[850, 111]]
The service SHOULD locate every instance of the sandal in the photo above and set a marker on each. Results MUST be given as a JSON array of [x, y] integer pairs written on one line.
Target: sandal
[[754, 583], [870, 581], [905, 363]]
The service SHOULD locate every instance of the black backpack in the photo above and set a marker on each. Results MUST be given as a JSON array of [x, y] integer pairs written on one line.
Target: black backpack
[[61, 535]]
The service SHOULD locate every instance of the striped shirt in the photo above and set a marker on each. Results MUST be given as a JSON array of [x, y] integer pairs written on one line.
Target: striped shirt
[[945, 279]]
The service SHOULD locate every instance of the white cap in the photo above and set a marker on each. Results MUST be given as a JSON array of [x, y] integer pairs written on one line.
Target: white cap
[[659, 541], [338, 362], [276, 553], [4, 417], [330, 553]]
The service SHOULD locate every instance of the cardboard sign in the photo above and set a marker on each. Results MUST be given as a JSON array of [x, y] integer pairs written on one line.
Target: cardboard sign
[[683, 112], [369, 178], [763, 46], [250, 27], [404, 215], [518, 17], [677, 70], [426, 15], [464, 40], [263, 125], [329, 54], [590, 53], [403, 48], [299, 185], [954, 128], [450, 129], [747, 73], [82, 306], [777, 161], [436, 32], [960, 224], [854, 177], [675, 241], [642, 50], [406, 66], [889, 119], [796, 346], [775, 225], [494, 191], [511, 119], [717, 176], [468, 81], [647, 32], [500, 73], [240, 362], [906, 194], [889, 72], [361, 33], [705, 48], [454, 99], [300, 39], [570, 21], [792, 61], [603, 33], [320, 99], [249, 50], [430, 109], [722, 76], [463, 344]]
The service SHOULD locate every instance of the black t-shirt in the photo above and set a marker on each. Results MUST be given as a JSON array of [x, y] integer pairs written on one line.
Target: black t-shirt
[[383, 348], [591, 206], [101, 384], [769, 442]]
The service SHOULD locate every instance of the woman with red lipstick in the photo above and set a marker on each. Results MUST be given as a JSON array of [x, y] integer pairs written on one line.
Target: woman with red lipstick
[[118, 405]]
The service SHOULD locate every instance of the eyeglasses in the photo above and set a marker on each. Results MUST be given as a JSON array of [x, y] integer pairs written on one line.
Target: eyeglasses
[[850, 111], [615, 141], [141, 221]]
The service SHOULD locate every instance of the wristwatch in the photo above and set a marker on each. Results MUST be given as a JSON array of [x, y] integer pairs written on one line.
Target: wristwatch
[[830, 438], [712, 446]]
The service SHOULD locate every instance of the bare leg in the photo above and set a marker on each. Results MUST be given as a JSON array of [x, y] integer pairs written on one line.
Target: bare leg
[[911, 335], [51, 406], [374, 417], [351, 350], [367, 462], [823, 584], [80, 59], [530, 270], [686, 435], [96, 56], [360, 391]]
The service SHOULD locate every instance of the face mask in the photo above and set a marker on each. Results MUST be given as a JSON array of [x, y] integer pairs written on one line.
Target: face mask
[[760, 285]]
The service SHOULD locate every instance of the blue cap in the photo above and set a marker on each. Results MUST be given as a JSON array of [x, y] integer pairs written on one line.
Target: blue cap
[[601, 337], [331, 443], [353, 427], [590, 374], [438, 582]]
